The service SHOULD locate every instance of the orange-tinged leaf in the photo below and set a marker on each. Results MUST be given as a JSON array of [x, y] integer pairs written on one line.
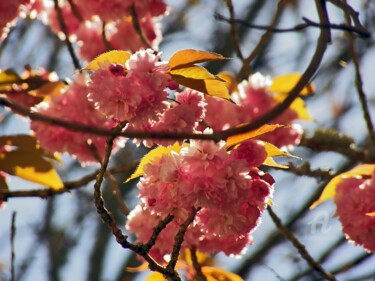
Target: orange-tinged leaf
[[194, 72], [298, 105], [230, 81], [154, 154], [30, 166], [330, 189], [270, 162], [113, 57], [214, 88], [7, 78], [372, 214], [274, 151], [155, 276], [49, 89], [217, 274], [187, 57], [285, 83], [237, 139]]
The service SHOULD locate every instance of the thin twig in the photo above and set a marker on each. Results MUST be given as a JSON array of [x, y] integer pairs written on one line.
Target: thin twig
[[137, 27], [358, 81], [246, 69], [104, 38], [300, 247], [110, 221], [297, 28], [75, 11], [156, 231], [68, 185], [198, 268], [233, 30], [179, 239], [64, 29], [13, 255]]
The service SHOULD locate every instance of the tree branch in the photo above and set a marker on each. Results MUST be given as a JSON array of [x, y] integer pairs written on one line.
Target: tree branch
[[13, 255], [64, 29], [299, 246]]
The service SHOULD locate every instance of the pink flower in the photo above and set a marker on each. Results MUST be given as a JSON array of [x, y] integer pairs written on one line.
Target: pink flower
[[137, 95], [73, 106], [125, 37], [354, 200], [253, 151], [252, 101], [184, 116], [9, 10], [90, 42]]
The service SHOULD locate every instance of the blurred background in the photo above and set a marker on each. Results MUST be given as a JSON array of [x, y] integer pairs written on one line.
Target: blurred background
[[63, 238]]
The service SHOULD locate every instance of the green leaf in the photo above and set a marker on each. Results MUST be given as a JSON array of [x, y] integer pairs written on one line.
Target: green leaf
[[189, 57], [214, 88], [283, 84], [217, 274], [329, 191], [30, 166], [237, 139], [113, 57], [152, 155]]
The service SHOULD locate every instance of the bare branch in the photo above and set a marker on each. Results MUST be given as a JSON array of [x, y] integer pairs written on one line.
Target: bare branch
[[64, 29], [299, 246], [13, 255]]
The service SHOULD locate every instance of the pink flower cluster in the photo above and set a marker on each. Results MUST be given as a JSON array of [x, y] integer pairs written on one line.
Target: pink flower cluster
[[231, 192], [183, 116], [134, 91], [354, 200], [84, 21], [252, 101], [74, 106]]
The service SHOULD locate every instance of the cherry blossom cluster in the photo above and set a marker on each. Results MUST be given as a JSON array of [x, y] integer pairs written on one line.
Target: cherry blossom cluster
[[229, 189], [72, 105], [85, 20], [252, 100], [354, 200]]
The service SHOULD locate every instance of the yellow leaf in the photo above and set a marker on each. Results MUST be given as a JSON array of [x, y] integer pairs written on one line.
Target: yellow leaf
[[49, 89], [237, 139], [283, 84], [330, 189], [155, 276], [194, 72], [270, 162], [152, 155], [217, 274], [7, 78], [30, 166], [113, 57], [372, 214], [140, 268], [187, 57], [230, 81], [214, 88], [274, 151], [298, 105]]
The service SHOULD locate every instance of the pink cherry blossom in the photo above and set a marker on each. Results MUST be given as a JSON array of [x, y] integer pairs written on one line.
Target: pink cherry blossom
[[354, 200], [138, 95], [73, 106]]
